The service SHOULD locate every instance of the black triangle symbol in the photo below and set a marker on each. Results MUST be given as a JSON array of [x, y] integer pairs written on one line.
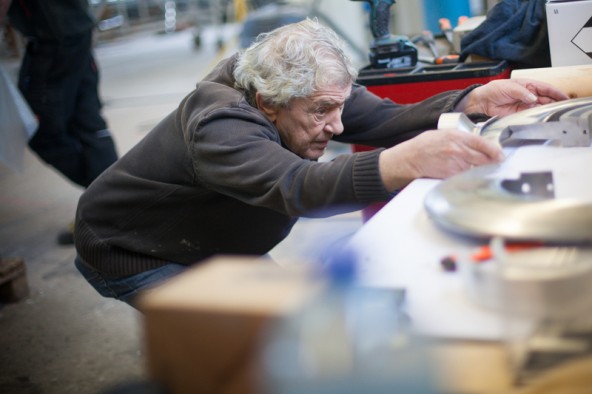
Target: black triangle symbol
[[587, 25]]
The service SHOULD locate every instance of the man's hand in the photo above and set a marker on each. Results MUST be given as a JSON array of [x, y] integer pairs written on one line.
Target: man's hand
[[443, 153], [505, 96], [435, 154]]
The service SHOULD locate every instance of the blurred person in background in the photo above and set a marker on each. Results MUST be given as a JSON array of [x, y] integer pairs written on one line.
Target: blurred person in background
[[59, 79], [232, 169]]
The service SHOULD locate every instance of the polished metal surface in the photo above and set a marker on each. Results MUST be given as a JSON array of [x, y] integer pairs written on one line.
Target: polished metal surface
[[478, 204], [567, 122], [542, 282], [523, 204]]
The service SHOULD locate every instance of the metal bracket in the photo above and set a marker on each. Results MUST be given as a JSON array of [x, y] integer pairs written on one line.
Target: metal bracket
[[568, 122]]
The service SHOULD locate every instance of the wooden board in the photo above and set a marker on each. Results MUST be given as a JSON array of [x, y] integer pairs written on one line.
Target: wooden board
[[575, 81]]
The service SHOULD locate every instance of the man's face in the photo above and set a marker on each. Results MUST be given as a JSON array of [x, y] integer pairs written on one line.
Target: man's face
[[307, 124]]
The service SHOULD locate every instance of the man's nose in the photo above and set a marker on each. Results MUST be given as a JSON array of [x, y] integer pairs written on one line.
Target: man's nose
[[334, 124]]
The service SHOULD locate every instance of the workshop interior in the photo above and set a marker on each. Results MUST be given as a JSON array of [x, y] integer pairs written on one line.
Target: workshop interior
[[478, 283]]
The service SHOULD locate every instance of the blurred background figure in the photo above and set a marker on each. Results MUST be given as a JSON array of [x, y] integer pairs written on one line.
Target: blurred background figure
[[59, 79]]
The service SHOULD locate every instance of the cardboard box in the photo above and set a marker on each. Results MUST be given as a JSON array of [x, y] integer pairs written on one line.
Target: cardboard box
[[570, 32], [203, 329]]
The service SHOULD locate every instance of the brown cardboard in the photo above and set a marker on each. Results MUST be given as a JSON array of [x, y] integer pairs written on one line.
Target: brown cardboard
[[204, 328], [471, 367]]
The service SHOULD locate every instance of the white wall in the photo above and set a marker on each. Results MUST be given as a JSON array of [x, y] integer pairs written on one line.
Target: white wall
[[407, 17]]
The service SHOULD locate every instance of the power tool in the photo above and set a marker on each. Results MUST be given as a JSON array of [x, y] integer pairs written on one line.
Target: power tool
[[388, 50]]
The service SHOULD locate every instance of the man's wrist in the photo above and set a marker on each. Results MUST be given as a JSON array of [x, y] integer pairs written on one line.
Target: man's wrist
[[466, 101], [396, 172]]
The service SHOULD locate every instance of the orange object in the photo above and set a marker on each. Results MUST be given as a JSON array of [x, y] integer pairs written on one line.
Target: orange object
[[448, 59], [484, 253]]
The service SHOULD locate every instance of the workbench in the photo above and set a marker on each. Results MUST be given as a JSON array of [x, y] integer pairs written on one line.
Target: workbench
[[402, 247]]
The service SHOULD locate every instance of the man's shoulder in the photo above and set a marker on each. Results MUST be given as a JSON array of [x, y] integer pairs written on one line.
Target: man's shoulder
[[208, 96], [222, 72]]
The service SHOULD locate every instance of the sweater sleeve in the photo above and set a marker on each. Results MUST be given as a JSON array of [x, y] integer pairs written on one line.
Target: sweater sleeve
[[245, 160], [373, 121]]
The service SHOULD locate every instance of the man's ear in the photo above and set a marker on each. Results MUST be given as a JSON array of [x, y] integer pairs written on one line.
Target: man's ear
[[269, 111]]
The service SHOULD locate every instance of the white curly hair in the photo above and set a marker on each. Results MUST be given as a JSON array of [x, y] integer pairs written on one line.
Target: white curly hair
[[293, 61]]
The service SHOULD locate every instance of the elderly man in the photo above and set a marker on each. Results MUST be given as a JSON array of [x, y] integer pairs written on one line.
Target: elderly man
[[234, 166]]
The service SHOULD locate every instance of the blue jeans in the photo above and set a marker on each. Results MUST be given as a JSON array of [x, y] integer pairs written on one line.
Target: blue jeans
[[127, 288]]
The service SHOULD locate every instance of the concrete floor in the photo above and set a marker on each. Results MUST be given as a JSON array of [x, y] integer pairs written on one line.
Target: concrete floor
[[65, 338]]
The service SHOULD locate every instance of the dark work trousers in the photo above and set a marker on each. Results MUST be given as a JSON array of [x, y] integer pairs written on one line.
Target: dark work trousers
[[59, 80]]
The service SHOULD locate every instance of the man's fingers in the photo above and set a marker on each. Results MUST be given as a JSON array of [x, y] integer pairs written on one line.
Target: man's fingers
[[543, 90], [486, 151], [478, 150]]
